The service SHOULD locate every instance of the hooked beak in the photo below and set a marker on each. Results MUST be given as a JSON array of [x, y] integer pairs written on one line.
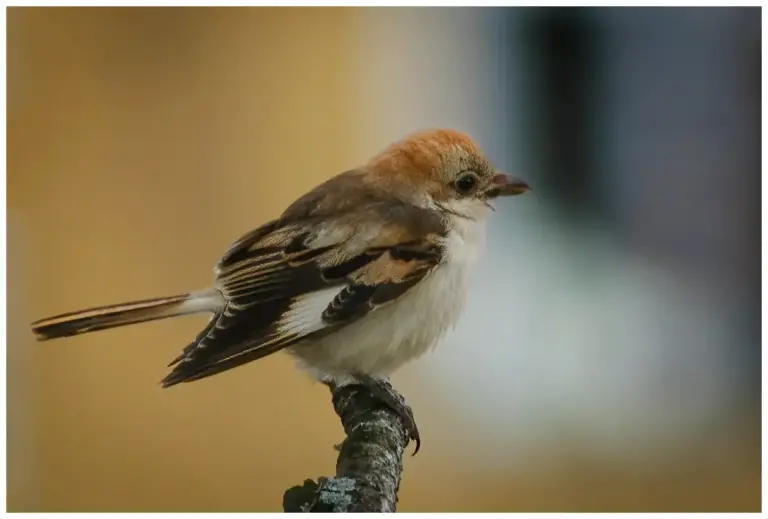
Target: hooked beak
[[504, 185]]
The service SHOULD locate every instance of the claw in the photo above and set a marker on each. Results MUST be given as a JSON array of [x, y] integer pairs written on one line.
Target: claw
[[415, 437], [383, 390]]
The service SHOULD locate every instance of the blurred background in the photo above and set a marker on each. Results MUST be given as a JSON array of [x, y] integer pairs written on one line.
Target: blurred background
[[609, 359]]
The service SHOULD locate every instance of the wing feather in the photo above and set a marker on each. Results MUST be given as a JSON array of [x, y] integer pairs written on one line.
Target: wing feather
[[310, 272]]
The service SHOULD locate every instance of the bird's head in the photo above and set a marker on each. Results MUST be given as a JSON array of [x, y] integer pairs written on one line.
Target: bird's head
[[444, 170]]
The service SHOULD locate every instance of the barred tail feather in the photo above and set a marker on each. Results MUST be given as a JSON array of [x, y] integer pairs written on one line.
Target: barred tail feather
[[112, 316]]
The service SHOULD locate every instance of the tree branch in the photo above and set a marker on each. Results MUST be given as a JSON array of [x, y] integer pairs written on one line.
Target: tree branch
[[370, 460]]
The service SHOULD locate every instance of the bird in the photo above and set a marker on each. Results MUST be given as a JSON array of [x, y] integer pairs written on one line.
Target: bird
[[359, 276]]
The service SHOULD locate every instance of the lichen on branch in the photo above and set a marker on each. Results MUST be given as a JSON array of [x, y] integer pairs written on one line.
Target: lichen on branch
[[370, 461]]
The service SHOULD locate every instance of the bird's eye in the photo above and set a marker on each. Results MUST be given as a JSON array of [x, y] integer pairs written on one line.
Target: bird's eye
[[466, 182]]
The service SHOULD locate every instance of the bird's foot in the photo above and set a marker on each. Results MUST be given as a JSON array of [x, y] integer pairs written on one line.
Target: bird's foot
[[383, 391]]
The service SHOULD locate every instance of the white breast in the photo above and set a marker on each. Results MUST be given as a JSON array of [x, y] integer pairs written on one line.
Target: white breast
[[389, 336]]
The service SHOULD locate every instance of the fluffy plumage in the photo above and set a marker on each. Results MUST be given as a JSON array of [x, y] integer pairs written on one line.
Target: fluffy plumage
[[358, 276]]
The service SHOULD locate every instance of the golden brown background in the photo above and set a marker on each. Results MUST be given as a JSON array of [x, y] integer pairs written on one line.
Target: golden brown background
[[141, 142]]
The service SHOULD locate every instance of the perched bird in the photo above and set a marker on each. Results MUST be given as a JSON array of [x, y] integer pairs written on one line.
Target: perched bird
[[357, 277]]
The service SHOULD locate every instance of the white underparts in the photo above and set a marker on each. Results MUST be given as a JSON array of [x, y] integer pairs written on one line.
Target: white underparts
[[402, 330]]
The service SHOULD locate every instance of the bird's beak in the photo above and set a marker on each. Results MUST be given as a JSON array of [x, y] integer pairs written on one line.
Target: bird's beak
[[505, 185]]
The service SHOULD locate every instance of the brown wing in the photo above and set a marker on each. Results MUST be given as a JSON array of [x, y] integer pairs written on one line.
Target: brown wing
[[359, 258]]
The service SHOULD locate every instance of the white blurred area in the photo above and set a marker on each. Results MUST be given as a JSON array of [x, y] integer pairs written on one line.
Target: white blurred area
[[570, 342], [572, 339]]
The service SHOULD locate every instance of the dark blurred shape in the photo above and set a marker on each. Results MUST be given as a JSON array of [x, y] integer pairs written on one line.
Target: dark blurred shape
[[647, 121], [564, 52]]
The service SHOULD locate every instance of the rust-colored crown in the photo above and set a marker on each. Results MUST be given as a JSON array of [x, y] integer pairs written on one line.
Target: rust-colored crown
[[420, 153]]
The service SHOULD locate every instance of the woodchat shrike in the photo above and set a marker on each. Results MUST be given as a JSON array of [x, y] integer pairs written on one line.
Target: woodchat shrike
[[357, 277]]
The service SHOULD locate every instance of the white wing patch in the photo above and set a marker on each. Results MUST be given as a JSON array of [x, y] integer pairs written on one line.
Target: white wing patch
[[305, 314]]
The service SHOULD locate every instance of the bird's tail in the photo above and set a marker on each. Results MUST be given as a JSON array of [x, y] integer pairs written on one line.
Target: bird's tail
[[104, 317]]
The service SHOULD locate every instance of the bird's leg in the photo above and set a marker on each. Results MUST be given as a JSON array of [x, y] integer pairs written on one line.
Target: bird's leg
[[383, 391]]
